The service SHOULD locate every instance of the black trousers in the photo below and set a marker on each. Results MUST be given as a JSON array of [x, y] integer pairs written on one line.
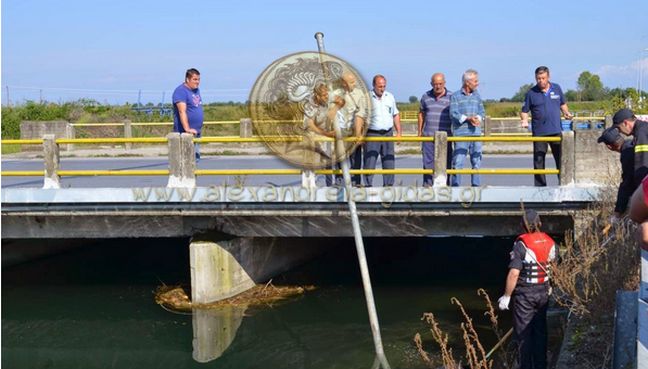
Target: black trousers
[[539, 154], [530, 325], [355, 161]]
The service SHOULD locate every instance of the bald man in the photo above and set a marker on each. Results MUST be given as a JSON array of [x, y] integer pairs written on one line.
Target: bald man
[[355, 115], [384, 119], [433, 116]]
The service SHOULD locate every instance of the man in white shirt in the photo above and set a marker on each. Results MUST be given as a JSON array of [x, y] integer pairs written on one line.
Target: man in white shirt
[[384, 118]]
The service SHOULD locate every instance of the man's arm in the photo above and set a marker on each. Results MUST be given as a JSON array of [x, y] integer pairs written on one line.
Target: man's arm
[[358, 126], [184, 120], [511, 281], [397, 125], [524, 117], [420, 123], [638, 207], [565, 111], [454, 110], [640, 133], [524, 113], [313, 127]]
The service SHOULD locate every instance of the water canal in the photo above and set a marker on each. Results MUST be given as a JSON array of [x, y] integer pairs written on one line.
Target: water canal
[[93, 307]]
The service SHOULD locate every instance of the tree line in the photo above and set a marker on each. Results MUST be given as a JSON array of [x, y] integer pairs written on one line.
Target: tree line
[[589, 88]]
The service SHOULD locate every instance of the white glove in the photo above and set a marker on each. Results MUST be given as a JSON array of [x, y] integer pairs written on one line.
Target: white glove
[[503, 302]]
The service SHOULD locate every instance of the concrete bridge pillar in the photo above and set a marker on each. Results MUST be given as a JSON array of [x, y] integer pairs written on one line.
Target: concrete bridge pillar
[[222, 269], [51, 153], [440, 158], [182, 160]]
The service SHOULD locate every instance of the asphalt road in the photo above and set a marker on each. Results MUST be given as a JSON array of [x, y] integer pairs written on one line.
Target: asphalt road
[[247, 162]]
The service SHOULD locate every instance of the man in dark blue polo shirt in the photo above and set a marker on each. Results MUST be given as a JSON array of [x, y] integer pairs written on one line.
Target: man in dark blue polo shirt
[[546, 102]]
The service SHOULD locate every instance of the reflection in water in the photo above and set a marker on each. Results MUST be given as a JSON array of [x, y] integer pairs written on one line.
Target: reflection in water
[[214, 330]]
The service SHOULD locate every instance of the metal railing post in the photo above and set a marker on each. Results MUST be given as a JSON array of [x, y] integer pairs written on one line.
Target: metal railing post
[[128, 133], [567, 174], [52, 162], [441, 143]]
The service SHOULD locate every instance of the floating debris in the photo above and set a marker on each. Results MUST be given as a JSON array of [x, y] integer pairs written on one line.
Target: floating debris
[[176, 299]]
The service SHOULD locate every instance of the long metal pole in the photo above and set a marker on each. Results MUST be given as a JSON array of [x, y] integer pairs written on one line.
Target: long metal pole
[[357, 232]]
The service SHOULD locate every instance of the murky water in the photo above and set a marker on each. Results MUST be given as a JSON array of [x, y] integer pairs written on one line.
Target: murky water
[[93, 307]]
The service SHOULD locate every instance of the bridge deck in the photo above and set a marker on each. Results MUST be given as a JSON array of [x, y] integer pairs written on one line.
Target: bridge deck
[[269, 211]]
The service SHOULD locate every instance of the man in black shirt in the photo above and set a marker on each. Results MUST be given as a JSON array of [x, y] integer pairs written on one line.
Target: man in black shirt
[[629, 125], [614, 141]]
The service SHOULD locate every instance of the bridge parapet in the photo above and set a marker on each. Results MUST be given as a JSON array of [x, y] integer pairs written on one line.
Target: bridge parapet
[[582, 160]]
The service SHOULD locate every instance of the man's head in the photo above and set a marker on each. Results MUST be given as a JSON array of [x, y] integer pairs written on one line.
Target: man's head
[[612, 139], [379, 84], [542, 77], [348, 81], [531, 221], [192, 78], [321, 94], [438, 84], [470, 80], [624, 119]]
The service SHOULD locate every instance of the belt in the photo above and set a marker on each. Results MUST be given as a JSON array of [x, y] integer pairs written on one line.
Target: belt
[[381, 131]]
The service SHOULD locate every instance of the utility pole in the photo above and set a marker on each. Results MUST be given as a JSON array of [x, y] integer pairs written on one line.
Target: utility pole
[[8, 100]]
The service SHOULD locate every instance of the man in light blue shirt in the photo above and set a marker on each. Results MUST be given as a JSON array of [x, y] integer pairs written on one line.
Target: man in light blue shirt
[[384, 117], [467, 113]]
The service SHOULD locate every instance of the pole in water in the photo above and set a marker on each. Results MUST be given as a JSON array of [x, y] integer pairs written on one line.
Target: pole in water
[[357, 232]]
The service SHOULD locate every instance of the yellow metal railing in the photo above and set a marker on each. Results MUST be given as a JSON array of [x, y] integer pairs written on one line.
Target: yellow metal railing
[[406, 117], [240, 172], [237, 139]]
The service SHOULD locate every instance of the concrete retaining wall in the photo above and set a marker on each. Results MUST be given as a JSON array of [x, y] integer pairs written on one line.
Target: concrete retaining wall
[[594, 162], [37, 129]]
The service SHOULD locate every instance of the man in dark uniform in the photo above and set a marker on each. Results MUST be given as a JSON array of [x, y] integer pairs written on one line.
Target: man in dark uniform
[[614, 141], [528, 283], [628, 124]]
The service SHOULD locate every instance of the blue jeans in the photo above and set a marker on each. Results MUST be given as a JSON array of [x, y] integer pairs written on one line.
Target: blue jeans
[[459, 155], [197, 146]]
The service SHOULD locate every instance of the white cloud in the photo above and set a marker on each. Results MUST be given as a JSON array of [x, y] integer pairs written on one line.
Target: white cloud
[[624, 75]]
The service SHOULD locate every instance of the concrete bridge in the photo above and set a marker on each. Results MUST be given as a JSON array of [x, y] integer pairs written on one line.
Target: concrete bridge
[[244, 235], [239, 229]]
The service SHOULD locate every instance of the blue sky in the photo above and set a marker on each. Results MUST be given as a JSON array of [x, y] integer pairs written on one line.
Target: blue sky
[[109, 50]]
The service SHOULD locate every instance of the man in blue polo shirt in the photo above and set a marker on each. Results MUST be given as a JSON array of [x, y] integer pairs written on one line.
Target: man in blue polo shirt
[[384, 117], [545, 101], [187, 106], [433, 116]]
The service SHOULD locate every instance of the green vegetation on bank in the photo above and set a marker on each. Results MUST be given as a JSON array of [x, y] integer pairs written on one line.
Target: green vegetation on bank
[[90, 111]]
